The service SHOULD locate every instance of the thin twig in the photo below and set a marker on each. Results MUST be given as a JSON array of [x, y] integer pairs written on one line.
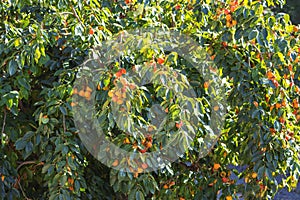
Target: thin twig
[[24, 194], [4, 120], [26, 163], [75, 14], [18, 181]]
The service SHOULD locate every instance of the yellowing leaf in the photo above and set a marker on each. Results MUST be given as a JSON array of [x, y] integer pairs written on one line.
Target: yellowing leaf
[[17, 42], [37, 54], [281, 56]]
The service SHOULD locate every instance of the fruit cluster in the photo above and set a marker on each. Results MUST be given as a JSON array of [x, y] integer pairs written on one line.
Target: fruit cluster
[[118, 94]]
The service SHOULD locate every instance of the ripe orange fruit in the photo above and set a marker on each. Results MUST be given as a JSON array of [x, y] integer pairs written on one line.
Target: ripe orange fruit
[[73, 104], [87, 95], [119, 101], [228, 197], [110, 93], [115, 98], [132, 86], [270, 75], [118, 74], [126, 141], [71, 188], [115, 163], [91, 31], [2, 178], [75, 91], [295, 103], [283, 103], [254, 175], [70, 181], [105, 88], [272, 130], [225, 180], [278, 105], [165, 186], [160, 60], [216, 108], [216, 166], [172, 183], [179, 125], [228, 17], [282, 120], [228, 24], [123, 71], [148, 144], [262, 186], [118, 93], [88, 89], [81, 93], [139, 170], [143, 150], [255, 104], [234, 22], [206, 85], [246, 180], [224, 44], [144, 166], [295, 29], [226, 11]]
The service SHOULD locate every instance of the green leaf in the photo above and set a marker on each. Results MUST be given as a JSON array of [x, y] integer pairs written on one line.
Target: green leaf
[[28, 135], [12, 67], [269, 174], [253, 34], [23, 82], [76, 185], [63, 110], [45, 168], [45, 120], [139, 195], [261, 172], [20, 144]]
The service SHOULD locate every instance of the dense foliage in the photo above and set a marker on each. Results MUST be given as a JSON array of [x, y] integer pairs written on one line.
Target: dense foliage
[[43, 43]]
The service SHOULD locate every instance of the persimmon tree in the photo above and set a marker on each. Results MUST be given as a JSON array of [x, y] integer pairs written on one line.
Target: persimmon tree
[[43, 45]]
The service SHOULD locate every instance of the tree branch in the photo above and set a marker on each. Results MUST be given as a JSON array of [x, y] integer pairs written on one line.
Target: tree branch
[[75, 14], [3, 126]]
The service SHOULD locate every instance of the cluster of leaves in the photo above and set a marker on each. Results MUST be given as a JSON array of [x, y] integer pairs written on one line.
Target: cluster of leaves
[[43, 43]]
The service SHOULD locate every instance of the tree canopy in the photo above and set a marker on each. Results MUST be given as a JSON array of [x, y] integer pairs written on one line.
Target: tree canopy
[[43, 46]]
